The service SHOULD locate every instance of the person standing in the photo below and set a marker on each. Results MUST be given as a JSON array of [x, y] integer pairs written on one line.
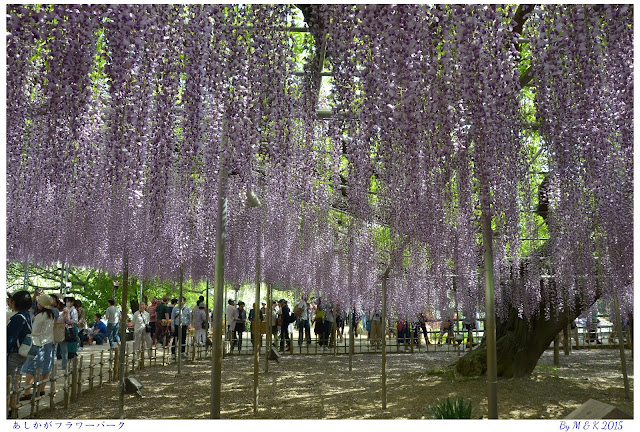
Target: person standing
[[162, 320], [376, 328], [71, 322], [330, 324], [152, 318], [175, 324], [320, 322], [403, 334], [238, 321], [231, 311], [82, 322], [200, 324], [113, 315], [446, 326], [274, 320], [18, 327], [301, 310], [255, 326], [140, 335], [42, 336], [422, 323], [468, 324], [340, 319], [285, 317]]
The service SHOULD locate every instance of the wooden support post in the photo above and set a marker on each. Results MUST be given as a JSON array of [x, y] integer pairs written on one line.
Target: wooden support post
[[490, 323], [556, 350], [65, 386], [193, 348], [91, 367], [112, 366], [80, 373], [123, 333], [74, 380], [179, 341], [52, 386], [334, 334], [567, 340], [255, 326], [141, 360], [218, 306], [101, 366], [384, 338], [268, 334], [351, 341], [35, 392], [623, 360]]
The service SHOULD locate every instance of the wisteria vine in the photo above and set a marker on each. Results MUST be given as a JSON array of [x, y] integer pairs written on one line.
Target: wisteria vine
[[120, 117]]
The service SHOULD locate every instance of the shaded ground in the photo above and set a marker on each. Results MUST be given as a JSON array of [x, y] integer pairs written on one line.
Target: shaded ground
[[321, 387]]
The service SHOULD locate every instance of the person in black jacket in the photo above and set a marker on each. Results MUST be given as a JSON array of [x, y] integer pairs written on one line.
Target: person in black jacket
[[255, 326], [239, 325], [18, 327], [285, 314]]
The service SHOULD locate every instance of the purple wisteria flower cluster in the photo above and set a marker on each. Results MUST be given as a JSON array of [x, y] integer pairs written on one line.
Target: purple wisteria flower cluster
[[120, 118]]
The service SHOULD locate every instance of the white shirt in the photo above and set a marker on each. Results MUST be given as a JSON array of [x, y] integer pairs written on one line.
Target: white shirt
[[139, 320], [232, 317], [305, 311], [72, 318], [230, 311], [186, 317], [112, 315], [42, 329]]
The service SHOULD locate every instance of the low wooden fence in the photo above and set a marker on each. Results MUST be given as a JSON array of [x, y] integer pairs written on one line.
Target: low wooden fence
[[89, 371], [85, 373]]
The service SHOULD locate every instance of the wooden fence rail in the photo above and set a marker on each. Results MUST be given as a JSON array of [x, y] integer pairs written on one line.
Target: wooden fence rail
[[88, 372]]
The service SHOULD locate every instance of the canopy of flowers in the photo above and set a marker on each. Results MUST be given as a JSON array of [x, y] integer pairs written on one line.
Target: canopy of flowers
[[119, 118]]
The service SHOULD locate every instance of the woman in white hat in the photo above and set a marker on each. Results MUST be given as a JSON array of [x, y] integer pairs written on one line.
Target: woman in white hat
[[42, 335]]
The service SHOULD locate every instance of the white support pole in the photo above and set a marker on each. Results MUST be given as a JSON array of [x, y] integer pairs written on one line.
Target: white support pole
[[218, 306], [123, 331], [178, 337], [490, 322], [623, 360], [255, 327]]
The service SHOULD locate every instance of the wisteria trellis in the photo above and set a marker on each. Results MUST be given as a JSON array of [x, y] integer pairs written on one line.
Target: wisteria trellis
[[119, 118]]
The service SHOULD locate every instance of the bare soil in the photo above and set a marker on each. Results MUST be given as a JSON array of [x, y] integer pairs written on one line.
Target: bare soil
[[321, 387]]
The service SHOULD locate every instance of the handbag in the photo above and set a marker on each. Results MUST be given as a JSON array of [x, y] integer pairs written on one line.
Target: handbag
[[58, 332], [27, 348], [70, 335], [147, 327]]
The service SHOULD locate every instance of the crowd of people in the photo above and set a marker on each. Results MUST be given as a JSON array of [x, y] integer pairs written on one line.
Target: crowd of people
[[59, 326], [52, 324]]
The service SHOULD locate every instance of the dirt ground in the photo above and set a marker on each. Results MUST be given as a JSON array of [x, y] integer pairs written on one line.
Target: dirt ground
[[321, 387]]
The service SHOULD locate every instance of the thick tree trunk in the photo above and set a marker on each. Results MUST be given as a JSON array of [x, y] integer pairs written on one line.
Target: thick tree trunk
[[520, 343]]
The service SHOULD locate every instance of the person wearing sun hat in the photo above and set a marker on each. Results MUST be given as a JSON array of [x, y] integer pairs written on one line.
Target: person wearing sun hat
[[42, 335]]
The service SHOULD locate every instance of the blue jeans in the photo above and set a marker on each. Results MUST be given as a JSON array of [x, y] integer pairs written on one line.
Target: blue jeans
[[64, 353], [112, 333], [304, 329]]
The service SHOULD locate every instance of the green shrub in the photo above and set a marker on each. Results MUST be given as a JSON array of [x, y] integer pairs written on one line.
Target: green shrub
[[448, 409]]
